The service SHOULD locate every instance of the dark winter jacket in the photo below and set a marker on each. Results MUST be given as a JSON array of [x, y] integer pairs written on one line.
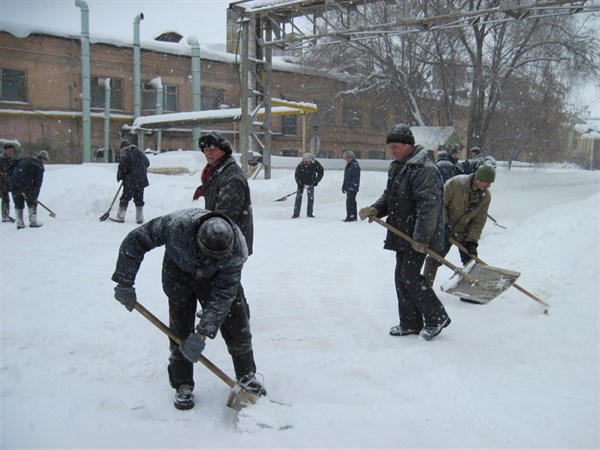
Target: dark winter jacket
[[351, 177], [308, 173], [413, 202], [447, 168], [133, 168], [470, 166], [28, 176], [7, 167], [227, 191], [465, 208], [177, 232]]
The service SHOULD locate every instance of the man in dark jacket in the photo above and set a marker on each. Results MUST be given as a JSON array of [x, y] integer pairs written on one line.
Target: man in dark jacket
[[475, 160], [447, 163], [413, 202], [25, 185], [204, 255], [7, 166], [308, 174], [350, 184], [225, 189], [133, 171]]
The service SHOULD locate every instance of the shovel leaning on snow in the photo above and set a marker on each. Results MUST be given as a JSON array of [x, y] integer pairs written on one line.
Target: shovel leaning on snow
[[475, 281], [235, 387], [285, 197]]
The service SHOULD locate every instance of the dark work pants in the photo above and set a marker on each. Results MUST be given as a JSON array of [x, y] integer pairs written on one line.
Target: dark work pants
[[184, 292], [464, 258], [418, 305], [130, 192], [310, 191], [20, 198], [351, 205]]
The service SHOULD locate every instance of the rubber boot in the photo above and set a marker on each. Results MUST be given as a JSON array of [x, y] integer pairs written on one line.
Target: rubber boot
[[429, 272], [5, 213], [20, 221], [139, 215], [33, 222], [120, 215]]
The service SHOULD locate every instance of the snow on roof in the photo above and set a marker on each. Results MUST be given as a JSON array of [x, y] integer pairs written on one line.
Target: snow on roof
[[432, 137]]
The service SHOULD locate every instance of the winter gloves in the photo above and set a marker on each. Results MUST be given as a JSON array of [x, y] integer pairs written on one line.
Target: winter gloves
[[126, 296], [192, 347], [367, 212], [471, 247]]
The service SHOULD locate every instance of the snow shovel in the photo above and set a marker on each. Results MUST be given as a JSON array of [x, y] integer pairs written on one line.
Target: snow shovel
[[285, 197], [104, 216], [515, 285], [47, 209], [475, 281], [235, 387]]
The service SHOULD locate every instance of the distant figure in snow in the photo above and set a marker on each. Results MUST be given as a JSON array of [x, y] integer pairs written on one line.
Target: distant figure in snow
[[308, 175], [203, 260], [7, 166], [447, 161], [350, 184], [25, 185], [413, 202], [133, 171]]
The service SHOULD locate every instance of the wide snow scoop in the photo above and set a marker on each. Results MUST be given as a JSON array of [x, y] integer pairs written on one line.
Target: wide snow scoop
[[235, 387], [515, 285], [104, 216], [285, 197], [475, 281]]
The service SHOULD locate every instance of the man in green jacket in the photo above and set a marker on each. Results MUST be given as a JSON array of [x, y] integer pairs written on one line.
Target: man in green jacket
[[466, 202]]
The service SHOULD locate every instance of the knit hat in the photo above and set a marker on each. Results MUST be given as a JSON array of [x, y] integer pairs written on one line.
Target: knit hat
[[215, 140], [485, 173], [215, 237], [348, 154], [43, 155], [475, 150], [400, 133], [9, 145], [308, 156], [124, 144], [453, 150]]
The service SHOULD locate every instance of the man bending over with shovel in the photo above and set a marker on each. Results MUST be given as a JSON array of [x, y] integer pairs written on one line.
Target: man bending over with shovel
[[413, 204], [466, 203], [204, 255]]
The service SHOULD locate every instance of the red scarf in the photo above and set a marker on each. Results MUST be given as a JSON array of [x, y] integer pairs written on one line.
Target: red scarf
[[204, 177]]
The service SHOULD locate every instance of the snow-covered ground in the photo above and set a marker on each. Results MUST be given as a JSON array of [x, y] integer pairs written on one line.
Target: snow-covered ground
[[79, 371]]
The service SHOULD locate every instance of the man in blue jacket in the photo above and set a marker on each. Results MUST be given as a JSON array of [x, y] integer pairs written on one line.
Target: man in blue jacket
[[413, 202], [204, 255]]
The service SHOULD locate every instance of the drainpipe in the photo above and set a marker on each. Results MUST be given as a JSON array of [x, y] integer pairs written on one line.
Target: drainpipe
[[137, 104], [105, 83], [196, 103], [85, 79], [156, 83]]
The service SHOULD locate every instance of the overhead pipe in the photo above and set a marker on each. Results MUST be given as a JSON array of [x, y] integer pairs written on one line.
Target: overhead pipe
[[196, 92], [105, 83], [85, 80]]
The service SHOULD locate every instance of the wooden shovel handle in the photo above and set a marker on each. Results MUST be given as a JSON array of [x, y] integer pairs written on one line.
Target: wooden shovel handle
[[209, 365]]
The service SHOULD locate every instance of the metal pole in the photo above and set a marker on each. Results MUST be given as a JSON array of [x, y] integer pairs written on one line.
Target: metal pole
[[137, 104], [196, 92], [244, 100], [267, 121], [85, 80]]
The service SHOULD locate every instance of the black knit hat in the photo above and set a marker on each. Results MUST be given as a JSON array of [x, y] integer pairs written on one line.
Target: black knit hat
[[475, 150], [124, 144], [215, 237], [400, 133], [9, 145], [215, 140]]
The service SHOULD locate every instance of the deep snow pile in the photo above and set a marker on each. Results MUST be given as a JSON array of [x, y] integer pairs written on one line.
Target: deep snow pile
[[79, 371]]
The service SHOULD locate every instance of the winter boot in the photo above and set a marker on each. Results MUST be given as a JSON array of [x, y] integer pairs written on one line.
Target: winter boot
[[33, 222], [251, 384], [20, 221], [184, 397], [120, 215], [5, 215], [429, 272], [428, 333], [139, 215]]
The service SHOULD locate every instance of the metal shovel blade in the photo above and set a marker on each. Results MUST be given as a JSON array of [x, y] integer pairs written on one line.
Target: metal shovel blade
[[491, 282]]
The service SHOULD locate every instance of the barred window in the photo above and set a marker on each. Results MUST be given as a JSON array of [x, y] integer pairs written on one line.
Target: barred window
[[13, 86]]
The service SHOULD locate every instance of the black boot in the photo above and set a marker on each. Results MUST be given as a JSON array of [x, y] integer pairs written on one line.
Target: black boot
[[184, 397]]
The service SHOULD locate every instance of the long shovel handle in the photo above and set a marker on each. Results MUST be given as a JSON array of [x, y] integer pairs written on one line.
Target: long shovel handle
[[104, 216], [524, 291], [431, 253], [52, 214], [285, 197], [209, 365]]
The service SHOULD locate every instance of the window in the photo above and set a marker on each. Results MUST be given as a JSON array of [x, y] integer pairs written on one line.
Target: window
[[289, 125], [211, 98], [14, 85], [352, 115], [376, 154], [378, 117], [170, 98], [289, 152], [98, 93]]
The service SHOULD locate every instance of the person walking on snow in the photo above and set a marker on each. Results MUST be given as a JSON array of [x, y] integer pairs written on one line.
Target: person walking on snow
[[203, 260], [466, 202], [25, 185], [133, 172], [350, 185], [7, 166], [413, 203], [308, 174]]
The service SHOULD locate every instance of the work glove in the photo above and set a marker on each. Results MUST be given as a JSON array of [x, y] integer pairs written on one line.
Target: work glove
[[419, 246], [199, 192], [192, 347], [126, 296], [471, 247], [369, 211]]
